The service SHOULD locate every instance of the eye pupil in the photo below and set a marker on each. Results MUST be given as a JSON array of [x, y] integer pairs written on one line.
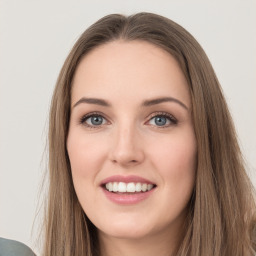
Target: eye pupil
[[96, 120], [160, 120]]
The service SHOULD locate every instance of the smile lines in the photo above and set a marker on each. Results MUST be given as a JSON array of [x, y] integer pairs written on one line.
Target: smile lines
[[130, 187]]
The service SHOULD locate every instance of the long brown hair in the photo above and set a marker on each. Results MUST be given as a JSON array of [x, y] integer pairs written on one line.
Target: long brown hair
[[222, 209]]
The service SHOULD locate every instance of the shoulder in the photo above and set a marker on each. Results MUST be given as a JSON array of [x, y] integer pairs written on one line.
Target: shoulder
[[14, 248]]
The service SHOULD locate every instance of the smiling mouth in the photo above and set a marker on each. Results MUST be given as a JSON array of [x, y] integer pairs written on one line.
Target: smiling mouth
[[128, 188]]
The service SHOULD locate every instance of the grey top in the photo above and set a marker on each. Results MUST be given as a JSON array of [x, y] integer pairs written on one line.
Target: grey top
[[14, 248]]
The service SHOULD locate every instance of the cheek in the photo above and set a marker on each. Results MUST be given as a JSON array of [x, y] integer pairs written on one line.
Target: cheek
[[175, 159], [177, 167], [85, 154], [176, 147]]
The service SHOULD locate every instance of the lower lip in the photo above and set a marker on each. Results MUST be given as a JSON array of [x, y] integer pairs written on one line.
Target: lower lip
[[127, 199]]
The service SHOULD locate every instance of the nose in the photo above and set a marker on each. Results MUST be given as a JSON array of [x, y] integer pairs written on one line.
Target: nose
[[127, 147]]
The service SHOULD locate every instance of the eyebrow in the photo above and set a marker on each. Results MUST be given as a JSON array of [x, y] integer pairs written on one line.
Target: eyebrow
[[94, 101], [145, 103]]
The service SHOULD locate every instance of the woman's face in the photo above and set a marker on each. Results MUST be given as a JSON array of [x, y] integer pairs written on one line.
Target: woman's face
[[131, 141]]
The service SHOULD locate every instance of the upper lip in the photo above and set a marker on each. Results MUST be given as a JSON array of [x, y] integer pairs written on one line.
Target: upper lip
[[126, 179]]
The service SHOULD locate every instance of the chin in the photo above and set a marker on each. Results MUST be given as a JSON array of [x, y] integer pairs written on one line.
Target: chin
[[126, 231]]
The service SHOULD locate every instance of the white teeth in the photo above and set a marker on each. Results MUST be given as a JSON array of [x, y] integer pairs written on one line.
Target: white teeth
[[130, 187], [150, 186], [144, 187], [115, 187], [138, 187], [121, 187]]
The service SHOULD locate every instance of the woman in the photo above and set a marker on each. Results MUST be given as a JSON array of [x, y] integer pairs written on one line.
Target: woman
[[143, 156]]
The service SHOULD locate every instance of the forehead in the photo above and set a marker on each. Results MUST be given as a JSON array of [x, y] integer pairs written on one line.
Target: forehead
[[127, 68]]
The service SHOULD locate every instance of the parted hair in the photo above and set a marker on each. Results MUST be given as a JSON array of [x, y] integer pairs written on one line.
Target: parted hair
[[221, 216]]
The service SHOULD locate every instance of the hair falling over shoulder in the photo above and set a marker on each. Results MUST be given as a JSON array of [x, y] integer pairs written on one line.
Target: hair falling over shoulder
[[222, 212]]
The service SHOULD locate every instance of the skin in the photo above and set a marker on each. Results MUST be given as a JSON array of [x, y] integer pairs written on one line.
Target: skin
[[131, 142]]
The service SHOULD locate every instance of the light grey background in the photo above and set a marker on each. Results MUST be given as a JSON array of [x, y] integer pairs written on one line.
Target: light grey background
[[35, 38]]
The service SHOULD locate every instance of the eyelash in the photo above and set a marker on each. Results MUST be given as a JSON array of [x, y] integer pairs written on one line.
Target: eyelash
[[87, 116], [171, 118]]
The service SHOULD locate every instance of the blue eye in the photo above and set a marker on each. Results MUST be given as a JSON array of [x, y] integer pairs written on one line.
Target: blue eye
[[160, 120], [93, 120], [163, 120]]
